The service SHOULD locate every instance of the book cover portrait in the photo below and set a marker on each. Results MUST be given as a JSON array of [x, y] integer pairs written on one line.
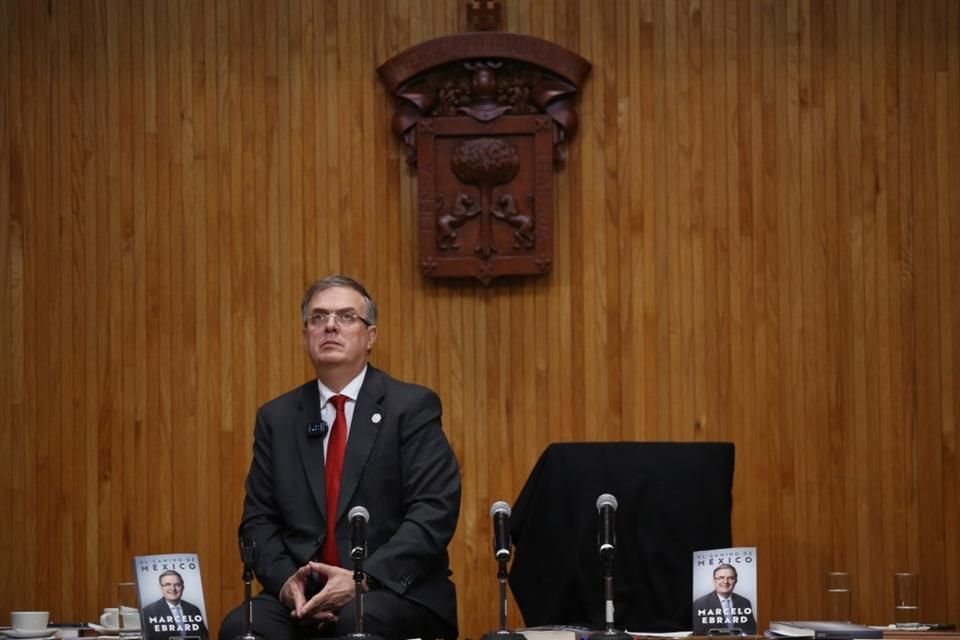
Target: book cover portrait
[[171, 596], [725, 590]]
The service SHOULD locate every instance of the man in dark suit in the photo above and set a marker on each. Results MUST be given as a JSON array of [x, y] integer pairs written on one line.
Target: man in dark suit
[[396, 462], [722, 608], [171, 616]]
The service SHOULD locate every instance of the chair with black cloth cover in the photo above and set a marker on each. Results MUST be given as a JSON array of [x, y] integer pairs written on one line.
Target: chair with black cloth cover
[[674, 498]]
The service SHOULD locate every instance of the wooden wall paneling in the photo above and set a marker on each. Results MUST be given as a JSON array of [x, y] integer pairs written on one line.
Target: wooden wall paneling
[[26, 197], [800, 171], [946, 233], [754, 232], [63, 473], [773, 228], [76, 508], [624, 292], [241, 241], [120, 197], [791, 306], [353, 67], [948, 84], [259, 222], [204, 209], [952, 402], [8, 382], [865, 210], [869, 179], [876, 206], [928, 440], [135, 94], [827, 177], [610, 309], [11, 385], [693, 56], [646, 149], [227, 430], [707, 418], [682, 209], [587, 279], [905, 433], [12, 390], [37, 143], [185, 238], [276, 114], [166, 286], [304, 94], [892, 384], [583, 307], [851, 291]]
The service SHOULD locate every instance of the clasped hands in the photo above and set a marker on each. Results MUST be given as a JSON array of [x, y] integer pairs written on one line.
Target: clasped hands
[[338, 589]]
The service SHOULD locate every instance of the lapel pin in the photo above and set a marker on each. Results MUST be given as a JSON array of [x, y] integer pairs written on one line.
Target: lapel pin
[[376, 418]]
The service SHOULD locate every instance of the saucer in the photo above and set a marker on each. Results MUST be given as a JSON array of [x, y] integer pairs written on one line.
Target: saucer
[[104, 631], [23, 633]]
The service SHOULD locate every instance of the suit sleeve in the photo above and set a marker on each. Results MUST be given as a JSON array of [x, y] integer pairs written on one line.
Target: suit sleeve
[[430, 480], [203, 632], [261, 517]]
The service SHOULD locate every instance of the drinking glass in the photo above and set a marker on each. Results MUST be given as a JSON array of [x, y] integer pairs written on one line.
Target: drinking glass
[[129, 614], [838, 596], [906, 600]]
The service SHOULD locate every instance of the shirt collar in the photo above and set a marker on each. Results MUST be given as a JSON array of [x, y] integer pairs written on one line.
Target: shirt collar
[[352, 390]]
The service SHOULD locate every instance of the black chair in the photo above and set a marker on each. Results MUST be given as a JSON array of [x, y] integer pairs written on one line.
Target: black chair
[[674, 498]]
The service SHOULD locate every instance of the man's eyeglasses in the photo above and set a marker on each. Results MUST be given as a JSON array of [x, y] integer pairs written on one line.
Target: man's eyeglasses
[[343, 317]]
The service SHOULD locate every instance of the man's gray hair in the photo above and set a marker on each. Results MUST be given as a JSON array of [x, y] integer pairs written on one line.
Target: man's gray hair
[[369, 314]]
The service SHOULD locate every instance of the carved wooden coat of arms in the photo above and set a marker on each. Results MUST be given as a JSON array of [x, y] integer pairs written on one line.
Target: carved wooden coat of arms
[[485, 117]]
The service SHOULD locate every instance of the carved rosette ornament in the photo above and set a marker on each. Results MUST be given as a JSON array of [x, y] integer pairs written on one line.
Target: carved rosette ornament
[[485, 118]]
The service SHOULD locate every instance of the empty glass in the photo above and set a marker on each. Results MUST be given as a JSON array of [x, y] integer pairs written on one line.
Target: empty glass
[[129, 614], [838, 596], [906, 600]]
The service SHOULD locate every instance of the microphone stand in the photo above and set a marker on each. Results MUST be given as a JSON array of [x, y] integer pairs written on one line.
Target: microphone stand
[[609, 632], [502, 633], [248, 553], [359, 576]]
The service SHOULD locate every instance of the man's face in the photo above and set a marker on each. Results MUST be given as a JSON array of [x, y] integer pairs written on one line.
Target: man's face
[[724, 580], [172, 588], [333, 344]]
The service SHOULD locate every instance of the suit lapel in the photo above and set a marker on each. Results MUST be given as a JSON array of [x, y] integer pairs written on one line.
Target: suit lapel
[[311, 448], [368, 417]]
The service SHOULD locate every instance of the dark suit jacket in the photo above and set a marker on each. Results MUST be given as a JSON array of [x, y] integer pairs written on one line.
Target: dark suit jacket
[[161, 611], [398, 464], [711, 602]]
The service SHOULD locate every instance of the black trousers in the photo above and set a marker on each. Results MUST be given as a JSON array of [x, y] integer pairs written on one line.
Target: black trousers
[[385, 614]]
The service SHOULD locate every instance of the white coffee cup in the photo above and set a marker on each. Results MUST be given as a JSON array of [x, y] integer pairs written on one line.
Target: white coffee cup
[[29, 620], [130, 620], [110, 617]]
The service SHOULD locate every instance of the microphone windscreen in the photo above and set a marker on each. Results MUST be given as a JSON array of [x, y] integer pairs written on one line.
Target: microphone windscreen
[[359, 511], [606, 500], [500, 507]]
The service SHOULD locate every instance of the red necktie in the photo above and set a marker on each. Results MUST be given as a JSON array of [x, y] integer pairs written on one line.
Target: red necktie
[[332, 468]]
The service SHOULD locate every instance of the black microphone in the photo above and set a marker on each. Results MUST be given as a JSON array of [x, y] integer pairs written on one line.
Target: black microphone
[[248, 553], [607, 538], [358, 517], [248, 549], [317, 429], [501, 530]]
